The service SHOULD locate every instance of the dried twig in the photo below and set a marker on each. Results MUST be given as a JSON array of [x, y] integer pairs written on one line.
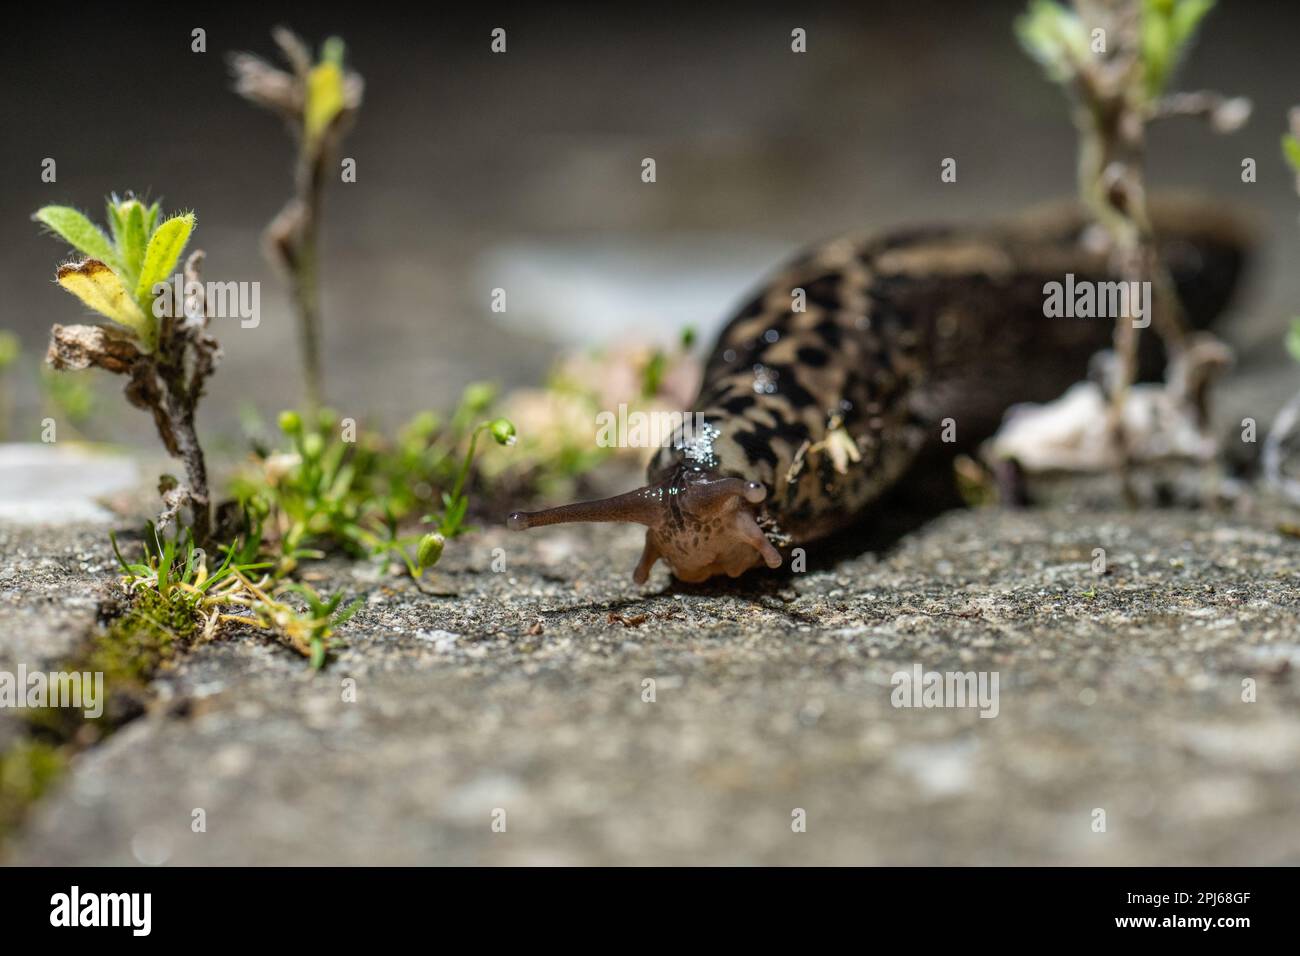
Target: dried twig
[[167, 382]]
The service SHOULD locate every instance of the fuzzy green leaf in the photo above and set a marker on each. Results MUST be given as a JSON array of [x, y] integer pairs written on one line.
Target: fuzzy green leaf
[[1167, 30], [131, 245], [77, 231], [116, 223], [1187, 16], [1054, 36], [165, 249], [1156, 51]]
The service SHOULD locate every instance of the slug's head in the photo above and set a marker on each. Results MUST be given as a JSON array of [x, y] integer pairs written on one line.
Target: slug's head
[[700, 525]]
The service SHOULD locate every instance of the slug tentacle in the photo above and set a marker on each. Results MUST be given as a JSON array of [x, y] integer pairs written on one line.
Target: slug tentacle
[[700, 524], [643, 506]]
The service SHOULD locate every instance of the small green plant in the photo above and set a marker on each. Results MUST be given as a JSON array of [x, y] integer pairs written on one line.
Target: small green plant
[[175, 597], [456, 502], [160, 345], [118, 279], [355, 491], [318, 101], [308, 632], [172, 601], [1116, 61], [172, 585]]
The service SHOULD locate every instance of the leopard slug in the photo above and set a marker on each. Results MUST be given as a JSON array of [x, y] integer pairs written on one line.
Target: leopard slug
[[844, 368]]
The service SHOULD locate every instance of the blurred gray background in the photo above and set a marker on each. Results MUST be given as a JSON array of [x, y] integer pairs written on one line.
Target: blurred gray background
[[522, 170]]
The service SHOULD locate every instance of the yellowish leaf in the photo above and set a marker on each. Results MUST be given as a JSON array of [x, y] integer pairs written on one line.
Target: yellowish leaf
[[99, 287]]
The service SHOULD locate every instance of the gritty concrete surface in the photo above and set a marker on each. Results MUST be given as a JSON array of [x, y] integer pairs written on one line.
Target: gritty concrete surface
[[522, 691], [1121, 692]]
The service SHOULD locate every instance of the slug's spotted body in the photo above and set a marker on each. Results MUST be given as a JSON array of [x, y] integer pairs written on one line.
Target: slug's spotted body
[[829, 384]]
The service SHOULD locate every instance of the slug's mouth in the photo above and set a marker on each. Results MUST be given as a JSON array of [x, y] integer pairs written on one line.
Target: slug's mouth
[[700, 527]]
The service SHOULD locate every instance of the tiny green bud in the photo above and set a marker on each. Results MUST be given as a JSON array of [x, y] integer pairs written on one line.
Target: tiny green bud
[[423, 425], [331, 51], [478, 395], [503, 431], [312, 445], [328, 418], [430, 550], [290, 422], [652, 376]]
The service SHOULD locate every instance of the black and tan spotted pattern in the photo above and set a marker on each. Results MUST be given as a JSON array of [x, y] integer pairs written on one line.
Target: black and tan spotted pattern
[[813, 412], [901, 332]]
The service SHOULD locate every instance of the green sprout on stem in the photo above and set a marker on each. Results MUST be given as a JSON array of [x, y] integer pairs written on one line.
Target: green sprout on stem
[[456, 503], [318, 101], [160, 344], [118, 278], [357, 491]]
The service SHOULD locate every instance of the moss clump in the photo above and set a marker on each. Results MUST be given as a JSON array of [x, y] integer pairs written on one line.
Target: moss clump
[[27, 770], [133, 646], [128, 652]]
